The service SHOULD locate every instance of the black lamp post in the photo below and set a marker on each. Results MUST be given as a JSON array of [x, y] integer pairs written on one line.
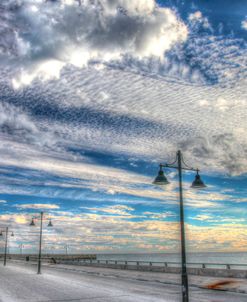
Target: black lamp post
[[6, 231], [40, 237], [161, 179]]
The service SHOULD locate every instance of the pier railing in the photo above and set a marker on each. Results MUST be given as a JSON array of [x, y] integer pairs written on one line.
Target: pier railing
[[82, 259], [170, 264], [194, 268], [50, 257], [234, 270]]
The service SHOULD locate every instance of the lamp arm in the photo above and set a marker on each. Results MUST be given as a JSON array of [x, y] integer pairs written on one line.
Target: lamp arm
[[182, 168], [187, 166], [174, 164], [170, 165]]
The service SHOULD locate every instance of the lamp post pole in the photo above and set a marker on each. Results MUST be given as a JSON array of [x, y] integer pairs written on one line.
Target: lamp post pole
[[40, 242], [180, 165], [40, 238], [6, 231], [185, 289], [21, 247], [6, 246]]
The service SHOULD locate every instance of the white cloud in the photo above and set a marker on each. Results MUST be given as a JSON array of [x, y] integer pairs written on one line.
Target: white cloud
[[244, 24], [44, 71], [159, 216], [38, 206], [122, 210], [16, 123], [203, 217], [197, 18], [61, 33]]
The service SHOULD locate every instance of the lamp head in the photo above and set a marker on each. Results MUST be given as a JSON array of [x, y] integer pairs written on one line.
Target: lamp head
[[1, 233], [12, 234], [161, 178], [32, 223], [198, 183], [50, 224]]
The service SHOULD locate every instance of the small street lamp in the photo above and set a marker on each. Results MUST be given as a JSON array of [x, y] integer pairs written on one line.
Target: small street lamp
[[66, 249], [40, 236], [21, 246], [6, 231], [161, 179]]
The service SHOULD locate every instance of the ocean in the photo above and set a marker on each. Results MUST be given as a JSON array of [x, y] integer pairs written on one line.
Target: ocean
[[207, 258]]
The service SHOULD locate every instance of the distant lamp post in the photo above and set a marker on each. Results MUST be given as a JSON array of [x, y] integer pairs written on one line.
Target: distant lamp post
[[40, 237], [66, 249], [21, 246], [6, 231], [161, 179]]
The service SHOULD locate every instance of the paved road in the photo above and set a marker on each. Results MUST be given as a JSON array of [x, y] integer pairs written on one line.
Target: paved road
[[19, 283]]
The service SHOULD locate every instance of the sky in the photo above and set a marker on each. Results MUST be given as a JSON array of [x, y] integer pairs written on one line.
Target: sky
[[94, 94]]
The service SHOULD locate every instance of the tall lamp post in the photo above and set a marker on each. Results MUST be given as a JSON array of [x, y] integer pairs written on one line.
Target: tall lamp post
[[6, 231], [40, 237], [161, 179]]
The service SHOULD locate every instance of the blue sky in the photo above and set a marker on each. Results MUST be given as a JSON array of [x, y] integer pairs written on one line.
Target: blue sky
[[95, 96]]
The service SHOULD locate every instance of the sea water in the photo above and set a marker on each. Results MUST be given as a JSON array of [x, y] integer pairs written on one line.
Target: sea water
[[206, 258]]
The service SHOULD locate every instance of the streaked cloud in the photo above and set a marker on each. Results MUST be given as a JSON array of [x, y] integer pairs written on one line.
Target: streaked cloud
[[122, 210], [38, 206]]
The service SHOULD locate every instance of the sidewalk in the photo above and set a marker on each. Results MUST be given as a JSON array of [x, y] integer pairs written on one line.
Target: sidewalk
[[19, 282]]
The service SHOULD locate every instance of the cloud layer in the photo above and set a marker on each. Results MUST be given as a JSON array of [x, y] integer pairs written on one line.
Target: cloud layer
[[94, 96], [47, 35]]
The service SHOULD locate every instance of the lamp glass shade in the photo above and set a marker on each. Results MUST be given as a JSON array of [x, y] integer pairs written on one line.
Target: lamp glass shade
[[160, 178], [198, 183], [32, 223]]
